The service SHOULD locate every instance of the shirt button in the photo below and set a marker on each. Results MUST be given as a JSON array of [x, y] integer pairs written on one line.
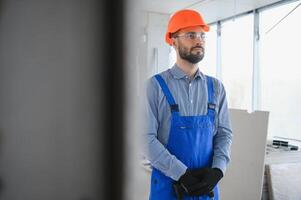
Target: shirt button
[[189, 84], [190, 101]]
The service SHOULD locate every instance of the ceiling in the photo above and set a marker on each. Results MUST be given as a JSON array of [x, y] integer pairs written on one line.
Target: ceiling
[[212, 10]]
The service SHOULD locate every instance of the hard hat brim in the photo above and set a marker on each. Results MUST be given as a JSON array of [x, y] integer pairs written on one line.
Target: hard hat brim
[[168, 40]]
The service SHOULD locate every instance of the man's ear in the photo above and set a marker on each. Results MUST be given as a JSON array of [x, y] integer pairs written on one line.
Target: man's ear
[[174, 43]]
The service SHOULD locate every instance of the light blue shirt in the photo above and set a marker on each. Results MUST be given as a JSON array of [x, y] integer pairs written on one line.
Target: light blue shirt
[[192, 98]]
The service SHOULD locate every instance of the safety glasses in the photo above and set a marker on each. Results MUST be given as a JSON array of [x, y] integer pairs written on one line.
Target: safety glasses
[[193, 35]]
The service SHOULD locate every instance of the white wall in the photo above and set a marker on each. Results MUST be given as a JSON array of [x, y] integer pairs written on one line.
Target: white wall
[[156, 29]]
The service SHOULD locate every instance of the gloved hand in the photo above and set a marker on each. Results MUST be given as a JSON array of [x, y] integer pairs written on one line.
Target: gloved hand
[[187, 181], [208, 178]]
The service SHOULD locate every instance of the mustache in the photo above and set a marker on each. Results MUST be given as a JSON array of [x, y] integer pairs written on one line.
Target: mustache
[[201, 47]]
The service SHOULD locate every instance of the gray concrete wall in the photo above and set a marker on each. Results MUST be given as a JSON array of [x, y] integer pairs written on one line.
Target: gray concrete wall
[[49, 100]]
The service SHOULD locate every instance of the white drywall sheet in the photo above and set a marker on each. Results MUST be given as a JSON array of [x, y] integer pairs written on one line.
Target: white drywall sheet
[[244, 176]]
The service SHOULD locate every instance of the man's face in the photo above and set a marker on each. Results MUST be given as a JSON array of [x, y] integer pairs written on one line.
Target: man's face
[[190, 43]]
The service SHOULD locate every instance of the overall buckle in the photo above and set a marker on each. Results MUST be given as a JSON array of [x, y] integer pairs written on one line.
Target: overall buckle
[[211, 106], [174, 108]]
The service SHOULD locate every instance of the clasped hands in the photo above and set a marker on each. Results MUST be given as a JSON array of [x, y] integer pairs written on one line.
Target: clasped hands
[[198, 182]]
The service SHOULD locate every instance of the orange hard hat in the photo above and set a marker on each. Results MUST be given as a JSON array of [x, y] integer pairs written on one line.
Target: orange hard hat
[[183, 19]]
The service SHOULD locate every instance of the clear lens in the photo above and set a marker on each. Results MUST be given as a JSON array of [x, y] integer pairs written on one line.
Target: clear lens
[[193, 35]]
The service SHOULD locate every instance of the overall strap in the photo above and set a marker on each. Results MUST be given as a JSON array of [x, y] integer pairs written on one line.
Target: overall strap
[[173, 106], [211, 104]]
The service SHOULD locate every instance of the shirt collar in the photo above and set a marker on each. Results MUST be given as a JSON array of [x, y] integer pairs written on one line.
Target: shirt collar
[[178, 73]]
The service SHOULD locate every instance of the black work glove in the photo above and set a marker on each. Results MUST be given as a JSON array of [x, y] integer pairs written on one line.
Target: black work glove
[[179, 190], [208, 177], [187, 181]]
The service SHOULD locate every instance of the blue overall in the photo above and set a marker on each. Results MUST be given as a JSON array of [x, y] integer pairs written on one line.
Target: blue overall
[[190, 140]]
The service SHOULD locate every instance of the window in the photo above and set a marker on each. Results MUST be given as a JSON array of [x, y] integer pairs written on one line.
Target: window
[[279, 83], [208, 64], [237, 61], [280, 70]]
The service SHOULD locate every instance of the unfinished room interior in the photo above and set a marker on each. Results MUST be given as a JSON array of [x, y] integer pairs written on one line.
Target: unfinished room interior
[[150, 100]]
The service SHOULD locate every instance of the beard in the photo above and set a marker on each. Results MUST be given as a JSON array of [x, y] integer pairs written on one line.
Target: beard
[[189, 56]]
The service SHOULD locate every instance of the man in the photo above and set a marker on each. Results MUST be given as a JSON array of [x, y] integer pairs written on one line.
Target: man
[[188, 135]]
